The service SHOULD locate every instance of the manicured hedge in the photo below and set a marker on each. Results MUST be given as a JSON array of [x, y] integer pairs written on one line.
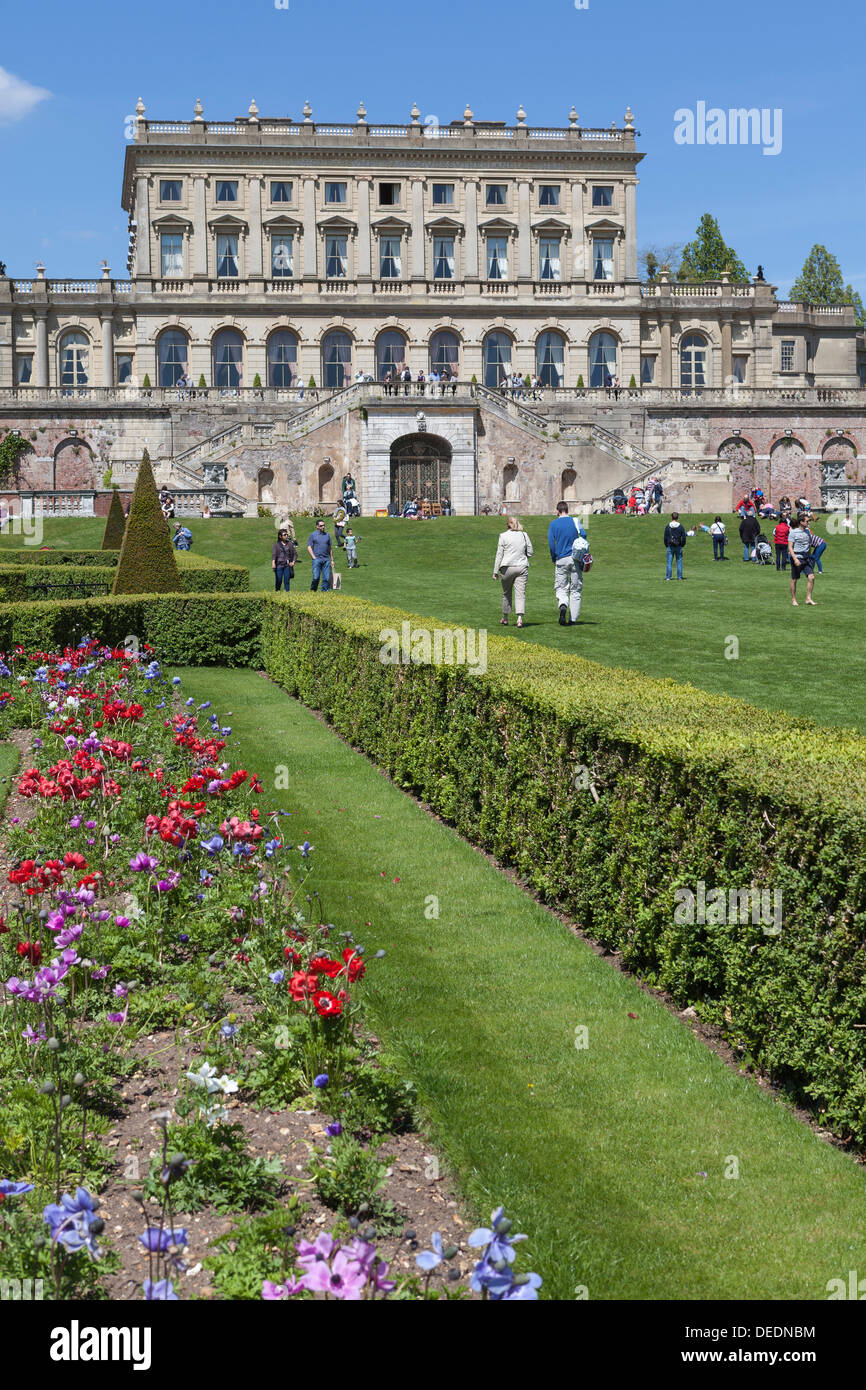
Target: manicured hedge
[[20, 583], [199, 573], [29, 556], [691, 788], [207, 629]]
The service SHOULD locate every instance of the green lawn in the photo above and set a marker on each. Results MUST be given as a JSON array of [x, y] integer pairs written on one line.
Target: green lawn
[[810, 661], [612, 1157]]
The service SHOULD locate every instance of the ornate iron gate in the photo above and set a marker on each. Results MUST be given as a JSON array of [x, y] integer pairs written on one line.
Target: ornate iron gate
[[420, 467]]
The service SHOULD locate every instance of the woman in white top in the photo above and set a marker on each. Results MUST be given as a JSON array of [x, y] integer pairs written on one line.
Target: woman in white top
[[511, 567]]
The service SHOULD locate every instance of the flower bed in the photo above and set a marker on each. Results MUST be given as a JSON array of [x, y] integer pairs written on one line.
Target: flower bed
[[145, 890]]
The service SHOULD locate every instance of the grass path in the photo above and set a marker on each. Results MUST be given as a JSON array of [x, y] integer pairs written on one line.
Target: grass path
[[613, 1157]]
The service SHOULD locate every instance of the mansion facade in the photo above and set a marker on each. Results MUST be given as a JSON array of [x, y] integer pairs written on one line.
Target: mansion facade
[[271, 256]]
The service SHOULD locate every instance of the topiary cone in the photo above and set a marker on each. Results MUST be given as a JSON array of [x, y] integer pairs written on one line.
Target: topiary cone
[[147, 564], [115, 524]]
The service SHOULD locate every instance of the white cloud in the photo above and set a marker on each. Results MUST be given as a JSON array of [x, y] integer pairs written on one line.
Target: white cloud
[[17, 97]]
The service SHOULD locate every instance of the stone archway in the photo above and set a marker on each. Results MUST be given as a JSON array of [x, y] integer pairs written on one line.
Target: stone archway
[[266, 486], [420, 467], [568, 485]]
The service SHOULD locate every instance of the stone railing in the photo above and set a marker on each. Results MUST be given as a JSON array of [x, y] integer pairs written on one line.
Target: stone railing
[[361, 132]]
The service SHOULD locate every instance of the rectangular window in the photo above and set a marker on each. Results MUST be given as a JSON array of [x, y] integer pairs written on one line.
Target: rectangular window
[[443, 194], [169, 190], [497, 195], [335, 192], [227, 191], [227, 255], [171, 255], [548, 254], [336, 256], [389, 195], [281, 192], [602, 196], [548, 195], [281, 257], [647, 370], [788, 346], [739, 368], [602, 258], [389, 258], [123, 368], [497, 258], [443, 258], [25, 371]]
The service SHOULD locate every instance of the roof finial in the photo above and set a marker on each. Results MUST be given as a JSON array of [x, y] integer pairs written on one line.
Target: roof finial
[[198, 108], [254, 110], [521, 115], [308, 110]]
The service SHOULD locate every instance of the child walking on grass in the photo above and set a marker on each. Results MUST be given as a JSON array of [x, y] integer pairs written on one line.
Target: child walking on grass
[[351, 544]]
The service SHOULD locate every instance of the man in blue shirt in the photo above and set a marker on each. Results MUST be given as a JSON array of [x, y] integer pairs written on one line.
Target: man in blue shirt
[[182, 538], [319, 551], [568, 576]]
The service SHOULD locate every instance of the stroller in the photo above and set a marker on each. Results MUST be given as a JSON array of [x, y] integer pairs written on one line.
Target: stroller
[[620, 501], [763, 550]]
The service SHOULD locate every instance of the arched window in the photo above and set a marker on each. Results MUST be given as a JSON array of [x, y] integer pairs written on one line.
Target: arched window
[[228, 356], [171, 355], [445, 352], [282, 357], [74, 360], [327, 483], [602, 358], [390, 353], [336, 358], [550, 359], [497, 359], [693, 361]]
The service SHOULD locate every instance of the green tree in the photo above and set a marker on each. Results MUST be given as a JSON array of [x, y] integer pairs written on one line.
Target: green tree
[[115, 524], [708, 257], [820, 282], [147, 564]]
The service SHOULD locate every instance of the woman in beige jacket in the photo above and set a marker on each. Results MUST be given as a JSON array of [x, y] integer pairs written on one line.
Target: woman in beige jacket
[[511, 566]]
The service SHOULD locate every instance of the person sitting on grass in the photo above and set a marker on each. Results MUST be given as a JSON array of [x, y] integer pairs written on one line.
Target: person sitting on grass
[[800, 551]]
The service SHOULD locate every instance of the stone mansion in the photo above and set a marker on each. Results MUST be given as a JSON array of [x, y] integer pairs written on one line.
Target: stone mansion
[[279, 271]]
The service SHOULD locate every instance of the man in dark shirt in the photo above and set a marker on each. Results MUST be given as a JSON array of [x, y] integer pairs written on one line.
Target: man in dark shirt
[[319, 551], [750, 529]]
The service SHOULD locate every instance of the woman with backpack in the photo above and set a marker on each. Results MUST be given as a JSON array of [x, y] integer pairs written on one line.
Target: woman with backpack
[[511, 568]]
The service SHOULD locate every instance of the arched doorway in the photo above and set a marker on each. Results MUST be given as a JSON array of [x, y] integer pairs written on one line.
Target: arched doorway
[[420, 467]]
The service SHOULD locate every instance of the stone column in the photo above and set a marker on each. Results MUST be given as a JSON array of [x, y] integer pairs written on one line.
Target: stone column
[[727, 355], [108, 351], [665, 353], [199, 229], [310, 230], [578, 235], [471, 267], [418, 239], [524, 242], [254, 250], [630, 232], [41, 349], [142, 220], [364, 251]]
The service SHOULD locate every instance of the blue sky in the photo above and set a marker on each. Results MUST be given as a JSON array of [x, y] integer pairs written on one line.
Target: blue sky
[[62, 144]]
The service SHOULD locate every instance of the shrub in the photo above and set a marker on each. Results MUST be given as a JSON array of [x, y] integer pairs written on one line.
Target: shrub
[[199, 574], [115, 524], [348, 1178], [580, 383], [311, 384], [202, 384], [632, 382], [257, 381], [147, 564], [146, 382]]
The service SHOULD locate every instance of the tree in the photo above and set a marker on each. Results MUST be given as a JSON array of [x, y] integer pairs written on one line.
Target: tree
[[708, 257], [115, 524], [655, 258], [147, 564], [820, 282]]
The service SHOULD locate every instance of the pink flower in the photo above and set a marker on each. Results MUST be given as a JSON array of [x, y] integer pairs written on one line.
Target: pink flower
[[345, 1281]]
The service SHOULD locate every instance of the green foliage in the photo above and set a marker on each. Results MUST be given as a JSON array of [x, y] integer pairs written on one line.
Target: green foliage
[[222, 1175], [820, 282], [147, 564], [349, 1178], [12, 446], [708, 257], [256, 1248], [146, 382], [580, 383], [107, 477], [20, 583], [381, 1101], [263, 510], [202, 384], [632, 382], [115, 524], [257, 381]]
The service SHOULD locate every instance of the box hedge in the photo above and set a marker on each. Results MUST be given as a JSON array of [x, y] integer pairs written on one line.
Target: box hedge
[[198, 574]]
